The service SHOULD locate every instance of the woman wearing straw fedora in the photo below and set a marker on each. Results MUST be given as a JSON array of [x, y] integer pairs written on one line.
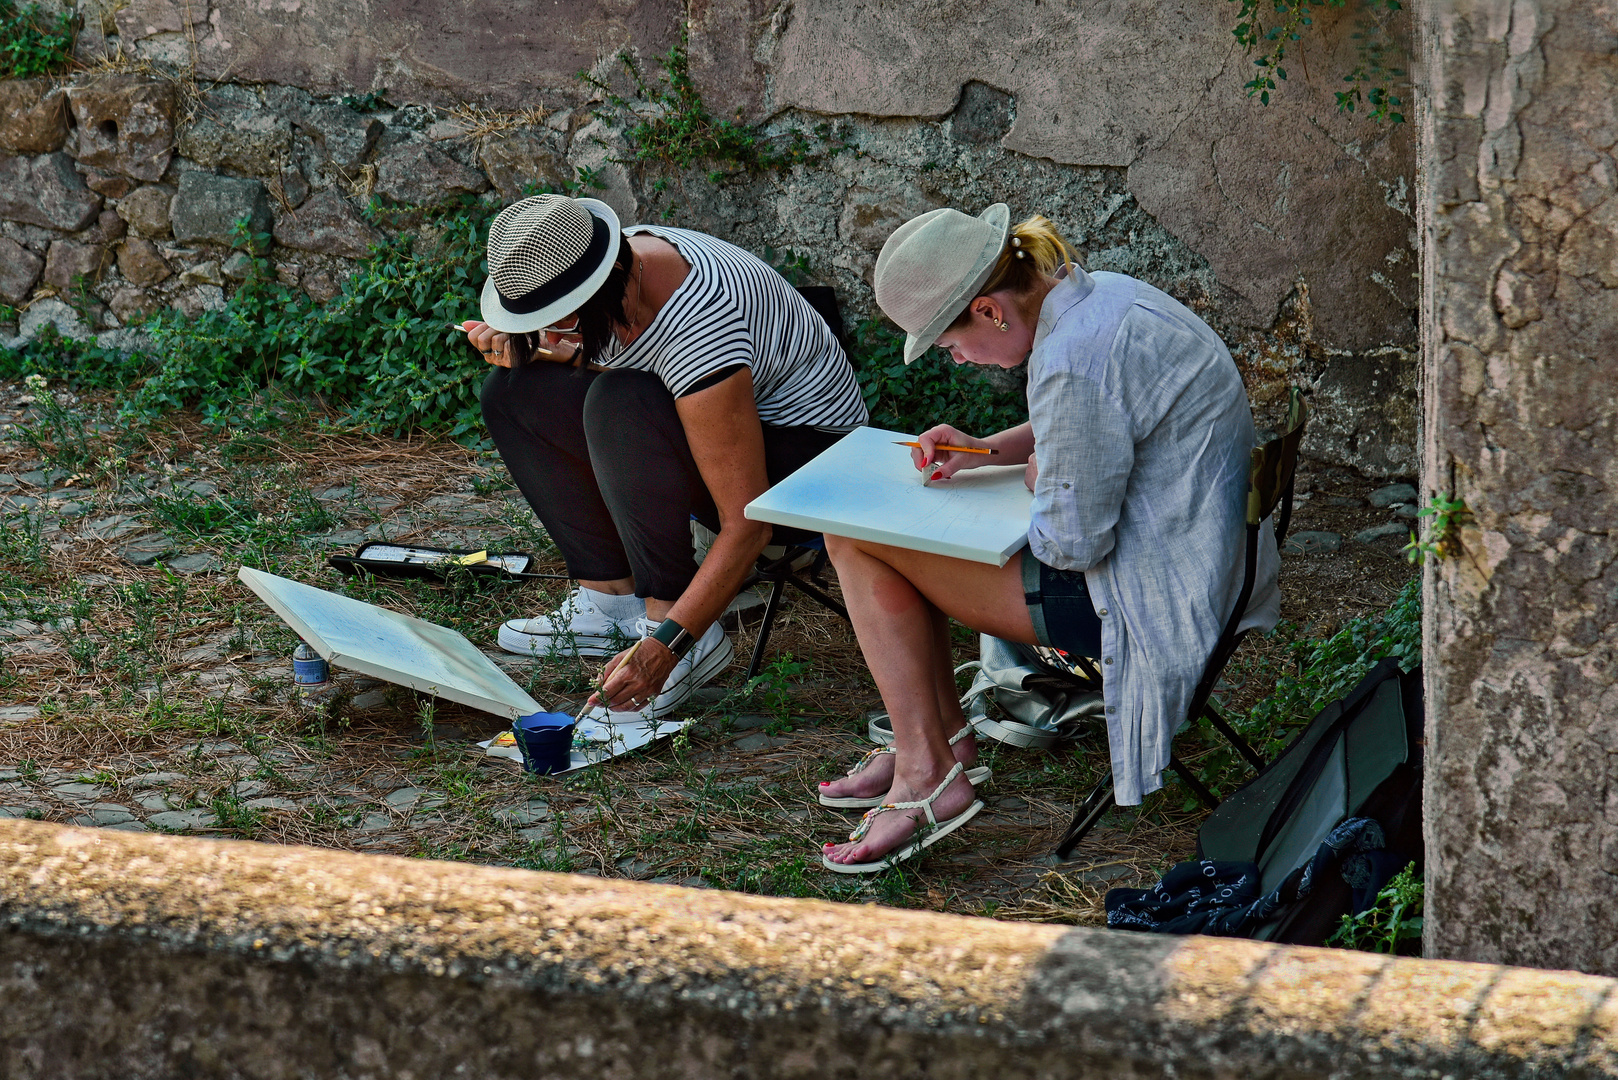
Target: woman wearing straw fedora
[[644, 376], [1135, 549]]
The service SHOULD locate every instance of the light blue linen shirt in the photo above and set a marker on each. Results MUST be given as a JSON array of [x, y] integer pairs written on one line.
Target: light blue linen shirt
[[1143, 435]]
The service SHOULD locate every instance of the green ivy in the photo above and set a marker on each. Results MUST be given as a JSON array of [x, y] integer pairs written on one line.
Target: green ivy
[[1373, 74], [33, 42], [1326, 669], [669, 124], [1393, 924], [382, 348], [933, 390]]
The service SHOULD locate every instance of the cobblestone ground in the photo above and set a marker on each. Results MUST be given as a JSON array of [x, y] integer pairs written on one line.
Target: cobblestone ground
[[143, 688]]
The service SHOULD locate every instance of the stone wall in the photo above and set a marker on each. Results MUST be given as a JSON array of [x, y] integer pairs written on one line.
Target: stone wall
[[123, 955], [1521, 218], [1288, 227]]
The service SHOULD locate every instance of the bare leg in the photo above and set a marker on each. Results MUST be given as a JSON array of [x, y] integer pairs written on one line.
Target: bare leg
[[619, 587], [904, 638], [877, 777]]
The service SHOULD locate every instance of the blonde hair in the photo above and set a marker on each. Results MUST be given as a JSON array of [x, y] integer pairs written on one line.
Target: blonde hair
[[1034, 249]]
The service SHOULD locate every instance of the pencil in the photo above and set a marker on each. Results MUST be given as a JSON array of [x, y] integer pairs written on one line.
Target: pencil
[[943, 446], [601, 683]]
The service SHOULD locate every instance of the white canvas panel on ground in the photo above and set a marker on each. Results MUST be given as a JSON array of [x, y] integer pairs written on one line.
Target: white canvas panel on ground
[[865, 487], [387, 645]]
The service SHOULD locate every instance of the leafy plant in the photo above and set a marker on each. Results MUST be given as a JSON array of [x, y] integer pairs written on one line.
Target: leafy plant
[[1393, 924], [1447, 517], [679, 130], [368, 103], [33, 42], [1369, 81], [932, 390], [771, 689], [1326, 669]]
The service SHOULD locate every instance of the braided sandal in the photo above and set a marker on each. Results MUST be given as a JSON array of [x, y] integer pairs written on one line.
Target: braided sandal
[[925, 836], [977, 776]]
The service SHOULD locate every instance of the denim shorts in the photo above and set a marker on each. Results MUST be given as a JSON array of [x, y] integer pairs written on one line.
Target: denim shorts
[[1059, 605]]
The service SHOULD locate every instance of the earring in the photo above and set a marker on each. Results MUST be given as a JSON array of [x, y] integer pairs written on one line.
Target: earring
[[1003, 327]]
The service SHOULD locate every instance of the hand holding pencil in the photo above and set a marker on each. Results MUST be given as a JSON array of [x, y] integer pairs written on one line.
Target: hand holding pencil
[[942, 451]]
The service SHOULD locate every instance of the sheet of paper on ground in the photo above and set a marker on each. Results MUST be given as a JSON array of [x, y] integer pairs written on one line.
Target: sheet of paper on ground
[[866, 488]]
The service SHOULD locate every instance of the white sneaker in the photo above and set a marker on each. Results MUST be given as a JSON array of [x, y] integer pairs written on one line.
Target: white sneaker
[[578, 628], [706, 659]]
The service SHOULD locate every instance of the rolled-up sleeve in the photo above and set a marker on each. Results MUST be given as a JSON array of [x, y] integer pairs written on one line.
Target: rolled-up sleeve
[[1084, 445]]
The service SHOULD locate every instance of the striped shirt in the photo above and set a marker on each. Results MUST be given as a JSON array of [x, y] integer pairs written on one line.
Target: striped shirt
[[733, 309]]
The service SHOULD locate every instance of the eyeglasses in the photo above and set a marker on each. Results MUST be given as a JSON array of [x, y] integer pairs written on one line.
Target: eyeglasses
[[558, 328]]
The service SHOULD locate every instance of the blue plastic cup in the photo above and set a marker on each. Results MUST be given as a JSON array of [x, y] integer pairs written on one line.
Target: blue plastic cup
[[546, 741]]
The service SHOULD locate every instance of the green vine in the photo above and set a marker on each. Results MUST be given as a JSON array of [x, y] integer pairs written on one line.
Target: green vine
[[1370, 81], [33, 42], [1447, 517], [679, 131], [1392, 925]]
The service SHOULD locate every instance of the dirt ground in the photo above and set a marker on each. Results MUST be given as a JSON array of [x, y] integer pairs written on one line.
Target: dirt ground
[[142, 687]]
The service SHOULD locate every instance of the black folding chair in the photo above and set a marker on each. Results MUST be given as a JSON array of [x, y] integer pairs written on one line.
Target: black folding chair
[[1269, 484], [784, 572]]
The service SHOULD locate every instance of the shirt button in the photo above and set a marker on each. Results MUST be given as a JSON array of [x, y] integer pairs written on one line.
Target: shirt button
[[1108, 660], [1102, 613], [1112, 708]]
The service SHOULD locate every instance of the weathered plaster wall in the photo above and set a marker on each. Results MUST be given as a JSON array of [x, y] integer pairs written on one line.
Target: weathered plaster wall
[[1288, 227], [1521, 217], [123, 955]]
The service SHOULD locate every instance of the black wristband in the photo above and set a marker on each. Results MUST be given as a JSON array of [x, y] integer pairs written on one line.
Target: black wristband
[[674, 637]]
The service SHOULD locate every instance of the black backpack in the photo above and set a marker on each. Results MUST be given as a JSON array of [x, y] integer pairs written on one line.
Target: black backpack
[[1360, 756]]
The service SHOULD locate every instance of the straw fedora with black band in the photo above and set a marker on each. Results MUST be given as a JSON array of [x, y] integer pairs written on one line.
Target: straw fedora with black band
[[547, 255], [932, 267]]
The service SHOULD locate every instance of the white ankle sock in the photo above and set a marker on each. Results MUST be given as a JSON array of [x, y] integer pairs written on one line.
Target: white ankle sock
[[620, 608]]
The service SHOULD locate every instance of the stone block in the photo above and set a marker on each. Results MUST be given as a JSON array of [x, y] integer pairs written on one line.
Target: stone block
[[124, 123], [46, 191], [19, 269], [207, 208], [418, 175], [328, 225], [521, 160], [983, 115], [234, 130], [141, 262], [67, 262], [33, 116], [111, 185], [872, 210], [194, 302], [109, 228], [1384, 497], [147, 210], [342, 139], [1312, 543], [203, 273], [131, 305], [288, 187], [147, 18], [55, 313]]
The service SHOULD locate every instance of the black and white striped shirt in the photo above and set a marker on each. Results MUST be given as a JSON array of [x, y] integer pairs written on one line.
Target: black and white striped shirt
[[734, 309]]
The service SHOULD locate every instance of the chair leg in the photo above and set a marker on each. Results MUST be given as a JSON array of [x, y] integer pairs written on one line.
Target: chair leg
[[810, 590], [1242, 746], [1088, 816], [1198, 788], [770, 608]]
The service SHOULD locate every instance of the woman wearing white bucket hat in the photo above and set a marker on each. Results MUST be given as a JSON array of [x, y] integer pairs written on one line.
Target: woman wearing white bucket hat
[[645, 376], [1143, 434]]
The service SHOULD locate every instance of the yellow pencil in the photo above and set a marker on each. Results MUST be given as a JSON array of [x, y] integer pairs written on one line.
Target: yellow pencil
[[945, 446]]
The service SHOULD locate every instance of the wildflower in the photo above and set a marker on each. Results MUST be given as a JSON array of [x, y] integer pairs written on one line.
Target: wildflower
[[35, 382]]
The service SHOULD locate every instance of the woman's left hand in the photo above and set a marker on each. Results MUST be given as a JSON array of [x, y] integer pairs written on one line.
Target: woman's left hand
[[633, 682]]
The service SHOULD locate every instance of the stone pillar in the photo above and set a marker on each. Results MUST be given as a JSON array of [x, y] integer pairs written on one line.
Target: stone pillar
[[1520, 217]]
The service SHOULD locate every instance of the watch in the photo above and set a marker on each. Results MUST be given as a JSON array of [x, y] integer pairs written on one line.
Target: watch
[[674, 637]]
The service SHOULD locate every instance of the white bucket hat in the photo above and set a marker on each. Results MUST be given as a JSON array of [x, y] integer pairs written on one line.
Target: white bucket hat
[[933, 265], [547, 256]]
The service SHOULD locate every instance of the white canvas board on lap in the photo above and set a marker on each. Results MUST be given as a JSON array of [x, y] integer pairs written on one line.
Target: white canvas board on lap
[[387, 645], [865, 487]]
